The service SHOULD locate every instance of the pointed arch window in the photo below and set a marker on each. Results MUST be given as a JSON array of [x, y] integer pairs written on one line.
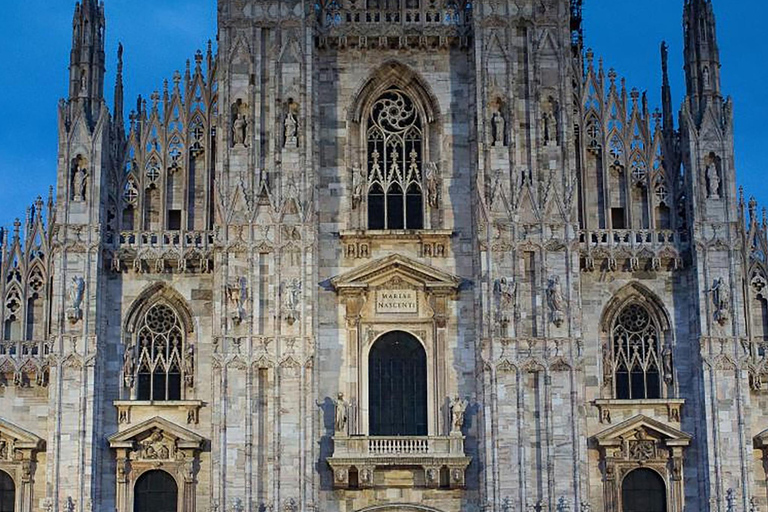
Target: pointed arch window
[[636, 355], [395, 155], [160, 350]]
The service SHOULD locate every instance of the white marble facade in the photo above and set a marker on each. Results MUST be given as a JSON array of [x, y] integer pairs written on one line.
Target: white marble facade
[[388, 255]]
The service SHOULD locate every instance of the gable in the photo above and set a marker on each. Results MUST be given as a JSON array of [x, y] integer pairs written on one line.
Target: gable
[[143, 433], [614, 436]]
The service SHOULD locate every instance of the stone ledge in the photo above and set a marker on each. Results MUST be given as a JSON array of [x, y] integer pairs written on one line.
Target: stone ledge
[[674, 407], [431, 242], [125, 408]]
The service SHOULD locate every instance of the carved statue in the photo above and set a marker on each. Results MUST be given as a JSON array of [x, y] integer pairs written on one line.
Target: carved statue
[[666, 358], [69, 505], [154, 447], [128, 367], [722, 300], [498, 129], [291, 130], [505, 289], [291, 299], [432, 183], [556, 300], [713, 181], [76, 292], [238, 296], [586, 507], [563, 505], [340, 422], [189, 366], [357, 186], [80, 183], [706, 77], [239, 129], [458, 410], [549, 120]]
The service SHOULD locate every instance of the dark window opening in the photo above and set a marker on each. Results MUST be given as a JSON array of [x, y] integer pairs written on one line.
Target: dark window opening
[[643, 490], [160, 352], [414, 207], [617, 218], [376, 210], [156, 491], [174, 220], [395, 217], [398, 386], [636, 355]]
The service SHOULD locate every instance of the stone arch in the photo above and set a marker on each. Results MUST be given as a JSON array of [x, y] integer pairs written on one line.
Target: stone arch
[[395, 74], [634, 293], [152, 294]]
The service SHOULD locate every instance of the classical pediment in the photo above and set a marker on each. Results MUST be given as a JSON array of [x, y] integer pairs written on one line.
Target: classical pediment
[[640, 427], [156, 438], [398, 270], [13, 437]]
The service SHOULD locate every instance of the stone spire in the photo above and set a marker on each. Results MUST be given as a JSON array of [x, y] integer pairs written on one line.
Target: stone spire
[[666, 91], [87, 61], [702, 55], [119, 94]]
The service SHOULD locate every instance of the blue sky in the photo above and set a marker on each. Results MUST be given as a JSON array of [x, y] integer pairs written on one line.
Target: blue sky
[[160, 36]]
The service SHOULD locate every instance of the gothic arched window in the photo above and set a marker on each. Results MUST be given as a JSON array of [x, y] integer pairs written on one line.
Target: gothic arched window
[[160, 351], [395, 155], [155, 491], [7, 493], [643, 490], [398, 386], [636, 355]]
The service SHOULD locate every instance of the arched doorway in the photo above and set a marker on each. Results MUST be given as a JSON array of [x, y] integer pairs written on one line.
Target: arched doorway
[[643, 490], [397, 384], [155, 491], [7, 493]]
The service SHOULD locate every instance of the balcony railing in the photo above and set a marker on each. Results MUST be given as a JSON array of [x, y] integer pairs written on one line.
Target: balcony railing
[[430, 455], [162, 239], [25, 349], [631, 238]]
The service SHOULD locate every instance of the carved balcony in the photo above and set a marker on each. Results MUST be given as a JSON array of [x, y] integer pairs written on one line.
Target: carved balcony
[[25, 363], [632, 249], [433, 461], [394, 23], [163, 251]]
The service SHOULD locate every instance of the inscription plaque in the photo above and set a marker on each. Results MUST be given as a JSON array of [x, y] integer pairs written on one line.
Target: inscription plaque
[[396, 301]]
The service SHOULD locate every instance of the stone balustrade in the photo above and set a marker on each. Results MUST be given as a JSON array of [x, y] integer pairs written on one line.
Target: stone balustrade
[[439, 461], [632, 249], [163, 251], [16, 349]]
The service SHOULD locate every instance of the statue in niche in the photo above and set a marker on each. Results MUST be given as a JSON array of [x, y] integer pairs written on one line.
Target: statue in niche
[[189, 367], [76, 293], [549, 121], [706, 77], [128, 367], [458, 410], [238, 296], [340, 420], [432, 183], [505, 289], [291, 131], [291, 298], [498, 129], [556, 300], [239, 130], [79, 181], [666, 360], [713, 180], [722, 300], [357, 186]]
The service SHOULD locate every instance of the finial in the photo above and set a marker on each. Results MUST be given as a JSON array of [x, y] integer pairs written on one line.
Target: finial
[[198, 60], [752, 210]]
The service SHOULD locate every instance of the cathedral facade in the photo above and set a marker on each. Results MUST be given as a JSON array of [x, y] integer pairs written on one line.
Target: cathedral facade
[[388, 255]]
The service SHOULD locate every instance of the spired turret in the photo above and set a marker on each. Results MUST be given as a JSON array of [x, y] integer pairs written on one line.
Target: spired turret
[[86, 68]]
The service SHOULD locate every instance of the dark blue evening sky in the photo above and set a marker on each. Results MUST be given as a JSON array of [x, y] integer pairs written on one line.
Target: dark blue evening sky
[[159, 36]]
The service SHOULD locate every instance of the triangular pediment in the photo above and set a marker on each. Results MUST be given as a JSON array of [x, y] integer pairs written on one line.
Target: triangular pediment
[[614, 436], [18, 438], [393, 267], [182, 438]]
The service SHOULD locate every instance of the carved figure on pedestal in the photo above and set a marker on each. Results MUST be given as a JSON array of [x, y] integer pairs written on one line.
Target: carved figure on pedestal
[[458, 410], [549, 121], [498, 129], [722, 301], [357, 186], [291, 298], [666, 358], [79, 181], [713, 181], [505, 289], [76, 291], [238, 296], [291, 130], [556, 300], [189, 366], [340, 421], [129, 367], [432, 183], [239, 130]]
